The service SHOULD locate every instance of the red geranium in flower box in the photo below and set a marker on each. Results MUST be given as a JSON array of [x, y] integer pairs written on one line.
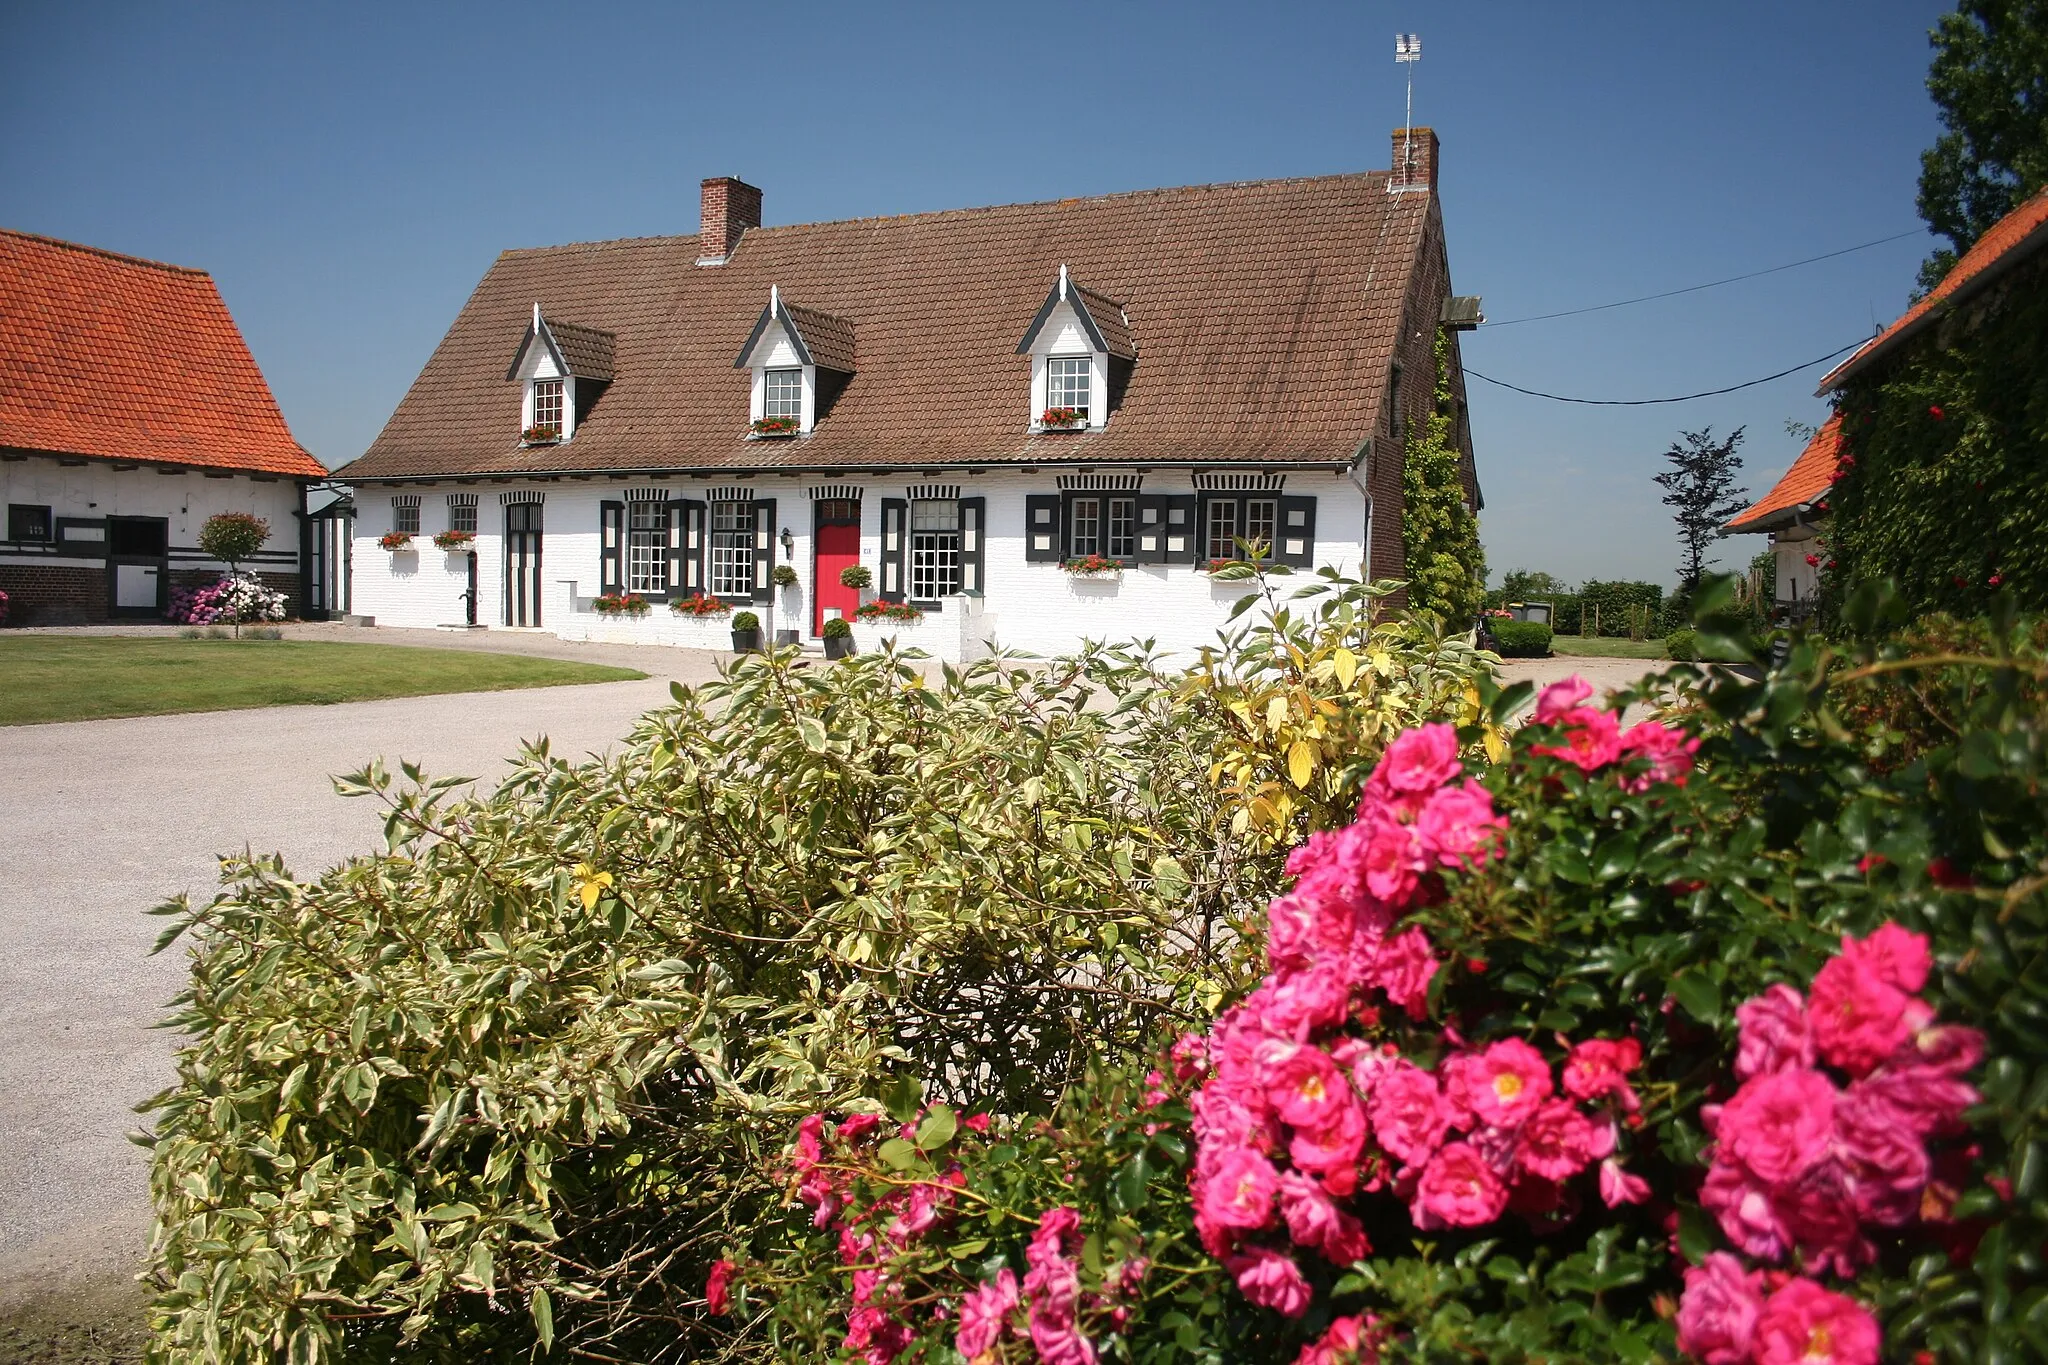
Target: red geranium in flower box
[[1092, 566], [1062, 419], [774, 426]]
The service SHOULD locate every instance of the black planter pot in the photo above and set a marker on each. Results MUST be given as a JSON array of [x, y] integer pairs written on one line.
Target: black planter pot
[[838, 646], [785, 637], [746, 642]]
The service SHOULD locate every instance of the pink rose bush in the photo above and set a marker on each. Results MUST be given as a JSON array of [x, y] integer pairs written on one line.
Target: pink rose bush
[[1824, 1149]]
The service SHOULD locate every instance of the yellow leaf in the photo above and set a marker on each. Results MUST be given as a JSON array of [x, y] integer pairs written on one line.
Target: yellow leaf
[[1496, 744], [1301, 762], [1346, 665], [1276, 714]]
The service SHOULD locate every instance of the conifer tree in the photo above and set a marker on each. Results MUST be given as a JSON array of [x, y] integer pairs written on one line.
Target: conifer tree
[[1446, 565]]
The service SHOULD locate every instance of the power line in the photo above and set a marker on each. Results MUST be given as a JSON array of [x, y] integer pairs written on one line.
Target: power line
[[1647, 402], [1710, 284]]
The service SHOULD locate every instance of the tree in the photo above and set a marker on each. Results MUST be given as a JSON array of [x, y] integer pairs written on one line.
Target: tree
[[232, 537], [1989, 80], [1446, 565], [1521, 584], [1700, 486]]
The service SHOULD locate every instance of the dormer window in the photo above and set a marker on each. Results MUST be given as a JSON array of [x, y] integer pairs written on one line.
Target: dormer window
[[564, 368], [1081, 354], [801, 359], [547, 409]]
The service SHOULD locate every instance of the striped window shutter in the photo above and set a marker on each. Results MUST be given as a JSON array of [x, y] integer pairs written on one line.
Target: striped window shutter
[[611, 546], [973, 536], [764, 549], [895, 545]]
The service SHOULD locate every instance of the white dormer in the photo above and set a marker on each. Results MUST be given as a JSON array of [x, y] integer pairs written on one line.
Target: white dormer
[[1070, 343], [787, 349], [552, 359]]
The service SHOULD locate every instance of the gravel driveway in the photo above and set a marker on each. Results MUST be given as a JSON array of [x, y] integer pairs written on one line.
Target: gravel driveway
[[106, 818]]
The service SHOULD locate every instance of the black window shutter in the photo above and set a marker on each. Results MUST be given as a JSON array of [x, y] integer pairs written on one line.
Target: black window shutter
[[672, 522], [764, 549], [1181, 536], [973, 536], [691, 551], [1043, 533], [1296, 537], [1150, 535], [895, 541], [611, 546]]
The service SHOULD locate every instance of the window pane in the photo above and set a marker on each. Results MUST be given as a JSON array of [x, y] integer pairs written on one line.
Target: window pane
[[547, 403], [1122, 527], [646, 547], [1087, 527], [783, 394], [1066, 382], [732, 549], [1259, 516], [934, 549], [462, 517], [1222, 529], [406, 520]]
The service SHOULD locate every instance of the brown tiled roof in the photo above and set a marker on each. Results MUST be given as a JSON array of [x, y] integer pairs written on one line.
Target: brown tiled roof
[[1108, 318], [585, 350], [1809, 479], [828, 339], [125, 359], [1267, 311], [2010, 239]]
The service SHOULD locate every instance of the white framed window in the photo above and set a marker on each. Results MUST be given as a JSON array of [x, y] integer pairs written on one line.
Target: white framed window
[[1084, 521], [732, 549], [646, 547], [1255, 521], [547, 404], [1122, 535], [1101, 525], [934, 549], [405, 518], [782, 393], [462, 517], [1261, 517], [1220, 535], [1066, 382]]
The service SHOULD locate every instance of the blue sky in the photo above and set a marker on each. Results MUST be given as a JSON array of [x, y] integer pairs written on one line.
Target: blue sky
[[347, 174]]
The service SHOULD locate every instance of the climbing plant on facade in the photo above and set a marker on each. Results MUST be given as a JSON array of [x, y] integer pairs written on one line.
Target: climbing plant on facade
[[1446, 564]]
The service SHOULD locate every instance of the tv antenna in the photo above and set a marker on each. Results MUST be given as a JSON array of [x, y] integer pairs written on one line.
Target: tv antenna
[[1408, 51]]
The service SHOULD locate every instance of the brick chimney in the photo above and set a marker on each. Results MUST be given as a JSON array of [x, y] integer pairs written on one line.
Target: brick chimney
[[731, 206], [1414, 160]]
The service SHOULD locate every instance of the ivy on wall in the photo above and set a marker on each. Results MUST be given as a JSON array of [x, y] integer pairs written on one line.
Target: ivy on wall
[[1944, 488], [1446, 565]]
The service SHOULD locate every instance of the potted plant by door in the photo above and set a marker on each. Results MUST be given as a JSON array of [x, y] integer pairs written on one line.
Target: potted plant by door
[[746, 633], [838, 638]]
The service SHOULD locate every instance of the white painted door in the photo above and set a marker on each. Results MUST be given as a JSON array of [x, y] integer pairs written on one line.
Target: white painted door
[[135, 585]]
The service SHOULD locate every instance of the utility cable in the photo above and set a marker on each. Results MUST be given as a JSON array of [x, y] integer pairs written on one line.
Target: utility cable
[[1711, 284], [1647, 402]]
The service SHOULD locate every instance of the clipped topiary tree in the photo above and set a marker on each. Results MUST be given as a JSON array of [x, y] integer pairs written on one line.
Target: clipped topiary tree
[[1446, 565], [232, 537]]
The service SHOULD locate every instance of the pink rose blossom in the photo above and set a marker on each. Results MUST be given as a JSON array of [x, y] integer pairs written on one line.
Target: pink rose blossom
[[810, 1147], [1949, 1049], [1458, 827], [1394, 860], [1052, 1288], [878, 1337], [1457, 1189], [1743, 1208], [1858, 1017], [1421, 759], [1599, 1067], [1407, 1113], [1618, 1187], [1190, 1056], [717, 1297], [1925, 1099], [1306, 1089], [1295, 1004], [977, 1123], [1560, 698], [1314, 1220], [1556, 1142], [1239, 1194], [1886, 1162], [1668, 750], [1896, 955], [1347, 1342], [1403, 969], [1819, 1214], [1778, 1125], [1717, 1313], [858, 1126], [984, 1314], [1332, 1150], [1774, 1033], [1509, 1082], [1271, 1280], [1592, 739], [1803, 1324]]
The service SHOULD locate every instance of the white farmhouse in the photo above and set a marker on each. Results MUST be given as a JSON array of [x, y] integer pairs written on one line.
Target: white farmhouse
[[130, 412], [971, 404]]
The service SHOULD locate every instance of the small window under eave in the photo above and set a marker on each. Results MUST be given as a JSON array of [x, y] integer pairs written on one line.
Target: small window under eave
[[793, 343]]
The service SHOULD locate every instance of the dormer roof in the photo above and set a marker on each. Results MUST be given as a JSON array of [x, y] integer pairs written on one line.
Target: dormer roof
[[1101, 317], [584, 352], [820, 339]]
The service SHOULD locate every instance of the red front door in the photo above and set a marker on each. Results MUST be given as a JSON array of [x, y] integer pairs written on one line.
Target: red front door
[[838, 548]]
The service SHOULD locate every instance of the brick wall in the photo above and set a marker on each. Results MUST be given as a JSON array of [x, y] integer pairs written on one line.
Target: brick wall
[[729, 207], [53, 594]]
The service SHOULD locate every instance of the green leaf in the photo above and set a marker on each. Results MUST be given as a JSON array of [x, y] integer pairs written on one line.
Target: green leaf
[[1700, 996], [900, 1154], [543, 1309], [1129, 1187], [450, 1213], [937, 1129]]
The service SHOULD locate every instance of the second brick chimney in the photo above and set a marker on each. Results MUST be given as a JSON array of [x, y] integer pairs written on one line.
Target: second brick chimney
[[1414, 160], [731, 206]]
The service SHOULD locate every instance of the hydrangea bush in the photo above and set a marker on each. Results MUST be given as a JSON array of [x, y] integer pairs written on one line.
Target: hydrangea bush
[[233, 598], [1706, 1035]]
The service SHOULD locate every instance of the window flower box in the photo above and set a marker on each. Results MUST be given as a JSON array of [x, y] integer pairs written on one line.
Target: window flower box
[[1093, 566], [620, 604], [1062, 419], [887, 611], [455, 540], [395, 541], [541, 434], [773, 426], [697, 604]]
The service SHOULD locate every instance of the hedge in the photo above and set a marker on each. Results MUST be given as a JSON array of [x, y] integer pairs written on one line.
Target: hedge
[[1522, 639]]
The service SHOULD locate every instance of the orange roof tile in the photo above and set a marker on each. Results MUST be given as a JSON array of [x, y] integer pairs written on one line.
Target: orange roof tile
[[2023, 230], [117, 357], [1810, 476]]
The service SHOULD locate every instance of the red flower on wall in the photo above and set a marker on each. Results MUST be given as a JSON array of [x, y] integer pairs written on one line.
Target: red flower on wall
[[1995, 580], [1961, 581], [1813, 561], [1934, 411]]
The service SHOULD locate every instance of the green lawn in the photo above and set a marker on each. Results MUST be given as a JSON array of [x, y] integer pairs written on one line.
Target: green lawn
[[1601, 647], [55, 677]]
